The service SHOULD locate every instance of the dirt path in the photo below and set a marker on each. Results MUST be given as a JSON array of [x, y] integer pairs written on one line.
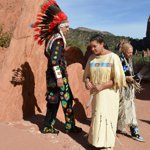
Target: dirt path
[[25, 135]]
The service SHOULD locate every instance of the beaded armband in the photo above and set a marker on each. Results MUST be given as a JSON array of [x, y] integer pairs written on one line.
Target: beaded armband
[[57, 72]]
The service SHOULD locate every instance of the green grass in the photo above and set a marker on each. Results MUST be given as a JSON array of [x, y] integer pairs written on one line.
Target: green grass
[[5, 38], [141, 60]]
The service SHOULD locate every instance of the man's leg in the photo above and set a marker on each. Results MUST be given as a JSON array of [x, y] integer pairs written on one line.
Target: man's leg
[[67, 100], [52, 108], [131, 117], [134, 125]]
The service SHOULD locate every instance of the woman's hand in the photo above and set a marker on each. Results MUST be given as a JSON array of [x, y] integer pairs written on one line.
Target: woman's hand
[[98, 88], [88, 84], [129, 78], [60, 82], [103, 86]]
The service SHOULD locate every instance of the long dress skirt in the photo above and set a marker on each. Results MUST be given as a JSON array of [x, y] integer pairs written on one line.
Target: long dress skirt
[[105, 106]]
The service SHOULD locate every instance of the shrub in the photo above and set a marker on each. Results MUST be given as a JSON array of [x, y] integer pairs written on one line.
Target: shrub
[[5, 38]]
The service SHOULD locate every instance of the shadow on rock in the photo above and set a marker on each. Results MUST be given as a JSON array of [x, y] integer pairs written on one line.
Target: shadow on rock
[[80, 138], [79, 112], [37, 120], [144, 94], [146, 121], [24, 77]]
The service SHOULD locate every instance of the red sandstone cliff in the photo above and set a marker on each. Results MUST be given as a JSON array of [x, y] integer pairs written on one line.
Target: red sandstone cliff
[[22, 88]]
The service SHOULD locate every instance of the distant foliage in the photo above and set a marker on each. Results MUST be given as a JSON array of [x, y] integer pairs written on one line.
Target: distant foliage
[[140, 59], [80, 38], [5, 38]]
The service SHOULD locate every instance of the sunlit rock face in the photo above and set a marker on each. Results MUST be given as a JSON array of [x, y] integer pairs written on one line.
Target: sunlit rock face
[[22, 88], [23, 66]]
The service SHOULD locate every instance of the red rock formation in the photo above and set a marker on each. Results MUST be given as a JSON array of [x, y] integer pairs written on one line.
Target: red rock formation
[[148, 28], [80, 93], [23, 86], [10, 11], [148, 33], [21, 89], [74, 55], [2, 55]]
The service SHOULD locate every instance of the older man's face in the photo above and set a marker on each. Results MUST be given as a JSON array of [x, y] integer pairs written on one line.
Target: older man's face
[[128, 53], [65, 28]]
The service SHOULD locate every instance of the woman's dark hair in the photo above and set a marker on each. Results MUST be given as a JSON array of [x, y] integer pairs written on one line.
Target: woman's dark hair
[[99, 39]]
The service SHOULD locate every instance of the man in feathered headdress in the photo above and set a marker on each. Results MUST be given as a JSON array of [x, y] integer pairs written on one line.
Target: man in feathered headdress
[[52, 25]]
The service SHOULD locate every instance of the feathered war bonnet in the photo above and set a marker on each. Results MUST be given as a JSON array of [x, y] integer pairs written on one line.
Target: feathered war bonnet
[[47, 20]]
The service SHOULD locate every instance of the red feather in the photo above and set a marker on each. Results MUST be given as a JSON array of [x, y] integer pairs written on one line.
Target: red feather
[[34, 25], [40, 15], [37, 29], [41, 27], [40, 42], [39, 19], [36, 37], [46, 5], [57, 20]]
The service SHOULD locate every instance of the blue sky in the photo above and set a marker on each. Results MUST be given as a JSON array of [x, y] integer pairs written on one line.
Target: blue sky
[[120, 17]]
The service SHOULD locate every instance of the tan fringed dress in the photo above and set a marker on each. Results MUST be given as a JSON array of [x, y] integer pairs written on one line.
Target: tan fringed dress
[[105, 104]]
